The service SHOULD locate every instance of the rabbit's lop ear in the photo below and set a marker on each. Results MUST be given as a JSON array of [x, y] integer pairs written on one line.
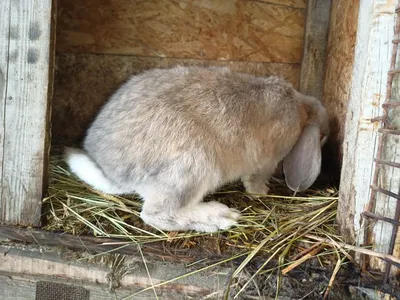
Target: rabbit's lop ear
[[303, 164]]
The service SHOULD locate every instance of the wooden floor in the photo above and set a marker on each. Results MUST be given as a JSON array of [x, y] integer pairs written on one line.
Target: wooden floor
[[110, 276]]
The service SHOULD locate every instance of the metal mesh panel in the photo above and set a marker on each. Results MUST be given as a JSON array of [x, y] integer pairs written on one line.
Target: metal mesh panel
[[386, 129], [58, 291]]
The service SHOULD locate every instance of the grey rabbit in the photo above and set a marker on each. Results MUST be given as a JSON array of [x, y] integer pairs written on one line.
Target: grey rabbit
[[174, 135]]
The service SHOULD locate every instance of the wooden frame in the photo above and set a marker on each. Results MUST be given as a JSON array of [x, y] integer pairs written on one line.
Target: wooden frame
[[26, 76], [96, 245], [27, 210], [367, 93], [26, 68]]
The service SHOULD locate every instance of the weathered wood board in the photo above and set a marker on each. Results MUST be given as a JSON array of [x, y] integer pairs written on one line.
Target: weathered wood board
[[338, 74], [366, 91], [25, 84], [313, 69], [161, 251], [290, 3], [388, 176], [100, 274], [219, 30], [84, 82], [315, 43], [394, 118]]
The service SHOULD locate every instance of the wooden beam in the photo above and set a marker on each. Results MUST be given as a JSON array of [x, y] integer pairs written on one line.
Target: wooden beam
[[314, 52], [125, 274], [375, 33], [92, 244], [26, 55]]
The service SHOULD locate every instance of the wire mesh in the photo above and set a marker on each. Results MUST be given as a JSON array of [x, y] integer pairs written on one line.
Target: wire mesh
[[386, 129]]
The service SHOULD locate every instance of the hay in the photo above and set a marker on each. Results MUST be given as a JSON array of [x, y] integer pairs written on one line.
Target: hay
[[277, 226]]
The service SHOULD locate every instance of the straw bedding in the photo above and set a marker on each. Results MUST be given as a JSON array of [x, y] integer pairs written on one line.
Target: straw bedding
[[277, 227]]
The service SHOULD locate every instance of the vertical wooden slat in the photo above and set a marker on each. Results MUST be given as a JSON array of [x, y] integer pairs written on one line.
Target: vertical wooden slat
[[314, 52], [366, 93], [25, 62], [4, 45]]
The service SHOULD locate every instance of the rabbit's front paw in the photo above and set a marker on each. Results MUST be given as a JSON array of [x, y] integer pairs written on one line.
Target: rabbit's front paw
[[213, 216]]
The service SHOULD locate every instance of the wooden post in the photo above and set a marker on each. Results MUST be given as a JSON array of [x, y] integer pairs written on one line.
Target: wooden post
[[375, 32], [314, 52], [26, 62]]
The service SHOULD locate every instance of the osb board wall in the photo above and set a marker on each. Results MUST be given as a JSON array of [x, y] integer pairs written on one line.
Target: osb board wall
[[84, 81], [339, 67], [203, 29], [100, 43]]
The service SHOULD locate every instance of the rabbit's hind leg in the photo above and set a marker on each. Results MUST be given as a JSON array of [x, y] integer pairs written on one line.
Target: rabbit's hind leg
[[255, 184], [181, 210]]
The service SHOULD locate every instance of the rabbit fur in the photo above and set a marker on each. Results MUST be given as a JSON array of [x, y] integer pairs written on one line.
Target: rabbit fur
[[174, 135]]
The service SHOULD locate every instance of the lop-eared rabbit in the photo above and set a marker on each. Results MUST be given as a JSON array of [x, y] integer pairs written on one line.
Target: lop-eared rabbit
[[174, 135]]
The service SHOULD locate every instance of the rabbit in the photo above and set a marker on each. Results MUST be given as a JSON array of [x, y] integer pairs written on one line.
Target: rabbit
[[174, 135]]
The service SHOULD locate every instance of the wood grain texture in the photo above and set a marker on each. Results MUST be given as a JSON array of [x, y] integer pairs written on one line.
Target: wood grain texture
[[161, 251], [366, 91], [4, 57], [313, 70], [25, 65], [84, 82], [337, 90], [394, 119], [388, 177], [290, 3], [102, 271], [338, 75], [23, 287], [204, 29], [315, 43]]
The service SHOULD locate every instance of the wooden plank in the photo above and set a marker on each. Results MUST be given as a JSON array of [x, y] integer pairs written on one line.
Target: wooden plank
[[291, 3], [338, 73], [23, 287], [16, 289], [83, 82], [394, 119], [366, 91], [337, 79], [388, 177], [125, 273], [339, 68], [313, 73], [24, 105], [4, 57], [163, 251], [315, 43], [219, 30]]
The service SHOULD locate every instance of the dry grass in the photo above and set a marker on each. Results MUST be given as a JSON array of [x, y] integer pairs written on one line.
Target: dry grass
[[277, 226]]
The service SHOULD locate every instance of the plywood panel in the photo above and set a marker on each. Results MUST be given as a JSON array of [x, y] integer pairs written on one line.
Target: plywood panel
[[203, 29], [83, 82], [25, 63], [291, 3], [338, 76]]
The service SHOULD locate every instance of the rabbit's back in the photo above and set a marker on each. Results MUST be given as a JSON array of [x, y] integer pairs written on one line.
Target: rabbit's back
[[206, 120]]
